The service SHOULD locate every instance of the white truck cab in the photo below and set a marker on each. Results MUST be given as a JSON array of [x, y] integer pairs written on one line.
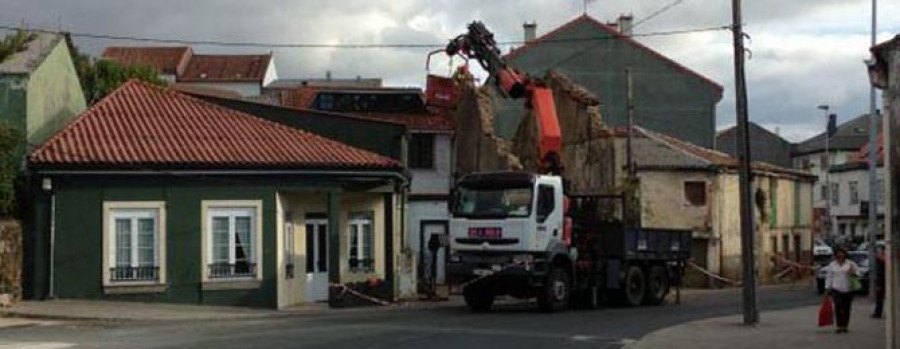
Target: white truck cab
[[507, 212]]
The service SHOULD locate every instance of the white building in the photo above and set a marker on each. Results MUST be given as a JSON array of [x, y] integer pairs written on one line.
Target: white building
[[842, 146]]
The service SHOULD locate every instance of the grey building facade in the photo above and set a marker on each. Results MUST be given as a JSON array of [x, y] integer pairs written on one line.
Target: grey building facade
[[765, 145], [670, 98]]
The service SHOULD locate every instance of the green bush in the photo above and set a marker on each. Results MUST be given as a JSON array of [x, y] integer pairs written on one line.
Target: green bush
[[10, 157]]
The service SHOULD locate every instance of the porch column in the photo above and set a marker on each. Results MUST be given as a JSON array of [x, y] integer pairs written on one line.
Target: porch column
[[389, 244], [334, 245]]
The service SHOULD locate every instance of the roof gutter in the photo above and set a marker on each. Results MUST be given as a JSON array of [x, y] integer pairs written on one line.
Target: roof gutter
[[375, 174]]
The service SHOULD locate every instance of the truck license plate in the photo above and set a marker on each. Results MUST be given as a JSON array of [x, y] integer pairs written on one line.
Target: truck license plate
[[485, 233]]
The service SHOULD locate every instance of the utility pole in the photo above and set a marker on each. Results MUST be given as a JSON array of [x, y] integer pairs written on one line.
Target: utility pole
[[629, 87], [826, 166], [751, 313], [873, 176]]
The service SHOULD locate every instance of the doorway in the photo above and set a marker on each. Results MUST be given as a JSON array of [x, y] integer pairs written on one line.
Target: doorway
[[316, 258], [427, 258]]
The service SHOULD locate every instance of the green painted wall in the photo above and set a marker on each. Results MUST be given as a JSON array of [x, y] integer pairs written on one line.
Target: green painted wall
[[13, 100], [54, 95], [78, 259], [667, 100], [78, 215]]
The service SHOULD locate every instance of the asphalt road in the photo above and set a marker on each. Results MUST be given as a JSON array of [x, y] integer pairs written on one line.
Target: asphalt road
[[513, 325]]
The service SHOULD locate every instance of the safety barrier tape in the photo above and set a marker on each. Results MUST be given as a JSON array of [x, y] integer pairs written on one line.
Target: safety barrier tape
[[493, 273], [708, 273], [346, 289]]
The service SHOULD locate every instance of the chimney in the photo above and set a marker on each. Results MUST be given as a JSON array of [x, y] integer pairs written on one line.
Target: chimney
[[328, 75], [530, 31], [624, 24]]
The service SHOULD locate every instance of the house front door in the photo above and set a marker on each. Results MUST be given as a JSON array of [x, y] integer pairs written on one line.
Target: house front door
[[316, 260], [433, 261]]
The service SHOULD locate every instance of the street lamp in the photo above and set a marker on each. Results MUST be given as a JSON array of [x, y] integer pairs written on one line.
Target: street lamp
[[826, 166]]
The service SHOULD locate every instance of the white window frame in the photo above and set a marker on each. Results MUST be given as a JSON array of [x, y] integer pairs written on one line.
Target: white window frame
[[231, 208], [356, 219], [133, 210]]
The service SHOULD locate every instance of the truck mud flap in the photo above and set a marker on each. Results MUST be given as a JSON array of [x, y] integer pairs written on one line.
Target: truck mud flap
[[613, 274]]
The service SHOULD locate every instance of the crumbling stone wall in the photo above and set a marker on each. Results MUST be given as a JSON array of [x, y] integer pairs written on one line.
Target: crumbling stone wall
[[478, 148], [588, 146], [11, 258]]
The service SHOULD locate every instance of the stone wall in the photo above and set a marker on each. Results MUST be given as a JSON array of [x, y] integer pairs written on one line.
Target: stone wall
[[10, 259], [477, 146]]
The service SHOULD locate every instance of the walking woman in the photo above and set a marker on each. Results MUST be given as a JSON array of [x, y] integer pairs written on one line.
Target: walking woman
[[839, 284]]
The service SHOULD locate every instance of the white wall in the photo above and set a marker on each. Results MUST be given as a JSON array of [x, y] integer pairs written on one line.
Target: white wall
[[436, 180], [271, 73]]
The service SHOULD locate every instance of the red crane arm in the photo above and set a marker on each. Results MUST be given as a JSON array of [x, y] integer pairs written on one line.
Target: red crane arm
[[478, 43]]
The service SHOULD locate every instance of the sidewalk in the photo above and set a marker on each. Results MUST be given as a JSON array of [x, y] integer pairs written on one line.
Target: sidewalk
[[794, 328]]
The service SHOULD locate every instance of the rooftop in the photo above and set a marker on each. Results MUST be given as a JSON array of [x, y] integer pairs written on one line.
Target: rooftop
[[166, 60], [548, 37], [220, 68], [396, 104], [141, 126], [850, 135], [36, 51]]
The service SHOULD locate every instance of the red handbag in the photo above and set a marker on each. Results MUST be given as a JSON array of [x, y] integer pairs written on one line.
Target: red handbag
[[826, 312]]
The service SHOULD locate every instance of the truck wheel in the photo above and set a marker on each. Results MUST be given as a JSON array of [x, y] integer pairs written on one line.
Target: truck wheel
[[556, 291], [657, 286], [478, 299], [635, 286]]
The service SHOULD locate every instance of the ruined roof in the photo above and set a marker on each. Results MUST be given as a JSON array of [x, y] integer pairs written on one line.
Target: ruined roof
[[24, 62], [850, 135], [657, 151], [575, 91], [549, 37], [166, 60], [226, 68], [142, 126]]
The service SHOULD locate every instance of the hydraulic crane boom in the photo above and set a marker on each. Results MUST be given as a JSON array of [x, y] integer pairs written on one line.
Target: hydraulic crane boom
[[478, 43]]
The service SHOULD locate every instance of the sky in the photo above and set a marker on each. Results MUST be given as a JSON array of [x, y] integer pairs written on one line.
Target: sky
[[803, 52]]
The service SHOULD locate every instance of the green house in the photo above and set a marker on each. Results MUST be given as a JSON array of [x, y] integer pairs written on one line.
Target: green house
[[39, 88], [153, 195]]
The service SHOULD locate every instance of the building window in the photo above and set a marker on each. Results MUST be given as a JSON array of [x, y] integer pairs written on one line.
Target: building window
[[823, 192], [823, 161], [835, 193], [232, 239], [288, 245], [695, 193], [361, 242], [854, 192], [134, 238], [421, 151]]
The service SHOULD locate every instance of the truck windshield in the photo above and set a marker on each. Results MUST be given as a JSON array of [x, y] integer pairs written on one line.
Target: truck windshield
[[493, 202]]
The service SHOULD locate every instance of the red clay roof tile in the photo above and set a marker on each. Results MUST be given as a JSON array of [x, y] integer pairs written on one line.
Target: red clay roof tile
[[220, 68], [149, 127]]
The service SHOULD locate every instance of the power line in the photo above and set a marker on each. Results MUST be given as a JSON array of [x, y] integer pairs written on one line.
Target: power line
[[342, 46], [657, 13]]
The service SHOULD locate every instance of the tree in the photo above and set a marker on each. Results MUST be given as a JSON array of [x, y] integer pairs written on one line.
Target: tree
[[99, 77], [15, 42]]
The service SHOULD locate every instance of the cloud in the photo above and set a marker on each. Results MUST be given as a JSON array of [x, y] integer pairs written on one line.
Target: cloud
[[804, 52]]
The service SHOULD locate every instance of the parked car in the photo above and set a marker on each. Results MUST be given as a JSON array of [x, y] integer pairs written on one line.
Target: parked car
[[861, 258]]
